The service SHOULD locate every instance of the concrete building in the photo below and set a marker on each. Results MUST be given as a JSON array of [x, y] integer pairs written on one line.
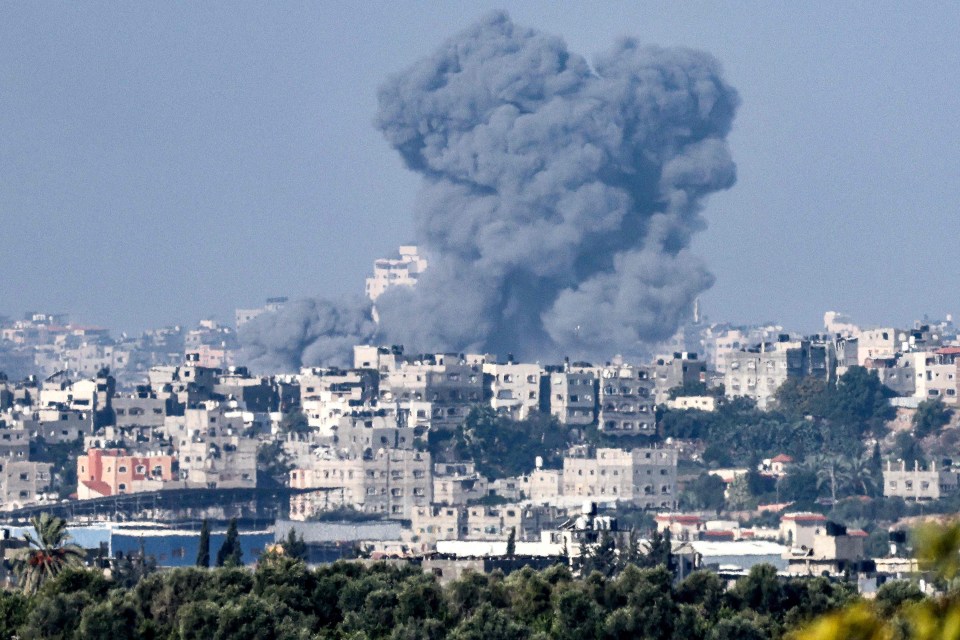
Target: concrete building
[[757, 373], [819, 546], [23, 482], [243, 316], [898, 374], [917, 483], [451, 386], [396, 272], [699, 403], [935, 374], [514, 388], [645, 477], [627, 401], [677, 370], [879, 343], [390, 482], [572, 396], [111, 472], [431, 523], [456, 484]]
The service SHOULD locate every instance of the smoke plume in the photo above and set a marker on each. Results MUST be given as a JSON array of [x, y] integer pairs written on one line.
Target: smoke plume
[[559, 198]]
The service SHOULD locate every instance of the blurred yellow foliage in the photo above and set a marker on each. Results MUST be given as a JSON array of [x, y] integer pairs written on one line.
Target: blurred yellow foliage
[[934, 618]]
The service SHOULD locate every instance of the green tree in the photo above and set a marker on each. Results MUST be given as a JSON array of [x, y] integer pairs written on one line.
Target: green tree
[[833, 472], [294, 547], [930, 417], [230, 553], [861, 399], [203, 551], [512, 542], [706, 493], [46, 554], [907, 449], [659, 551]]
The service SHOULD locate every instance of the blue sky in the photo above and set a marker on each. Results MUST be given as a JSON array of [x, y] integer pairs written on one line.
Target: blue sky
[[162, 162]]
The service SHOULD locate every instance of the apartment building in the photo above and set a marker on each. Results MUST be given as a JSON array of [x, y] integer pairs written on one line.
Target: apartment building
[[646, 477], [758, 372], [23, 482], [457, 483], [514, 388], [679, 369], [390, 482], [111, 472], [396, 272], [572, 396], [627, 401]]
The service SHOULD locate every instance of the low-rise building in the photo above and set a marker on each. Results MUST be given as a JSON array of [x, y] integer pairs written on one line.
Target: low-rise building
[[917, 483], [457, 483], [699, 403]]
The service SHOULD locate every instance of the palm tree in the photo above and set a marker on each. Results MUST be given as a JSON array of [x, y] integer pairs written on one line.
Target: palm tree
[[863, 474], [832, 470], [46, 555]]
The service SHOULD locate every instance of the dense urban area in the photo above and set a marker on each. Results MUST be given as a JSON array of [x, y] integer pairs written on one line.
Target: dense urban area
[[736, 485]]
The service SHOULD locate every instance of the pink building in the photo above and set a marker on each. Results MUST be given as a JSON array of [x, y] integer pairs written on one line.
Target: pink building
[[110, 472]]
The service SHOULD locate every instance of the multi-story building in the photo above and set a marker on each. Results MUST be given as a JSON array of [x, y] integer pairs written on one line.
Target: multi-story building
[[879, 343], [394, 272], [23, 482], [451, 386], [627, 401], [111, 472], [514, 388], [758, 372], [390, 482], [680, 369], [222, 462], [431, 523], [572, 396], [935, 374], [646, 477]]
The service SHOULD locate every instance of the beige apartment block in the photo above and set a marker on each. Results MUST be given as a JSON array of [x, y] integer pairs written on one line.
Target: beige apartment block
[[627, 401], [515, 388], [391, 482], [646, 477], [573, 396]]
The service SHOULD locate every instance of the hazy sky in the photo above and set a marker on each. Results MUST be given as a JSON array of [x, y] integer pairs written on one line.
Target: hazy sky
[[162, 162]]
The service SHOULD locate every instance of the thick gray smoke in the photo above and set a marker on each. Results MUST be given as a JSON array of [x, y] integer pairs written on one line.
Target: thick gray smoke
[[306, 333], [559, 198]]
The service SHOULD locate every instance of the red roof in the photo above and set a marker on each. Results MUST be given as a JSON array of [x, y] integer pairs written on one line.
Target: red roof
[[782, 458], [98, 486], [948, 351], [857, 533]]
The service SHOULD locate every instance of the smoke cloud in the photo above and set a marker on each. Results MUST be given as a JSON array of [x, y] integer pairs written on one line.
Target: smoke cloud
[[306, 333], [559, 198]]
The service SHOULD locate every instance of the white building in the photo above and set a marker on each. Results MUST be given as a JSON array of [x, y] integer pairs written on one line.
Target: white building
[[393, 272]]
